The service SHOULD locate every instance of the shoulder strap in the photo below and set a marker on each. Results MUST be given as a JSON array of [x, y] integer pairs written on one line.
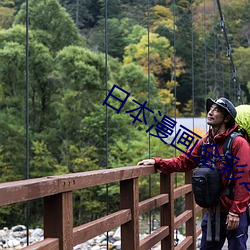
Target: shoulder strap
[[227, 147]]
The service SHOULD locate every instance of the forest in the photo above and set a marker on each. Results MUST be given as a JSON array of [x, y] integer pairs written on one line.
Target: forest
[[57, 69]]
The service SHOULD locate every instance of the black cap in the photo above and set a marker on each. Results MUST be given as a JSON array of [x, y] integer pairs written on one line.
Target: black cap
[[223, 103]]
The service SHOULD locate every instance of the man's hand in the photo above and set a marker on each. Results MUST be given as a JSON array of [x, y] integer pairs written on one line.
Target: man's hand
[[232, 221], [146, 162]]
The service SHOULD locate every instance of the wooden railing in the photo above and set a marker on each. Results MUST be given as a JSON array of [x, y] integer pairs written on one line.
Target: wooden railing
[[56, 192]]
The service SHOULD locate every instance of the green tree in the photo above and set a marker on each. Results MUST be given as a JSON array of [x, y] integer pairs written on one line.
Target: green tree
[[12, 108], [42, 163], [161, 62], [53, 25], [161, 57], [13, 60], [13, 148], [131, 9], [77, 102], [7, 12], [6, 17], [135, 80], [84, 13], [161, 16], [118, 31]]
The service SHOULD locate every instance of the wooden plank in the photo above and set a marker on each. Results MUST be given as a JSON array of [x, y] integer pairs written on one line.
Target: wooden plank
[[198, 231], [182, 218], [46, 244], [90, 230], [185, 244], [152, 203], [190, 205], [24, 190], [58, 219], [182, 190], [198, 208], [154, 238], [129, 196], [167, 210]]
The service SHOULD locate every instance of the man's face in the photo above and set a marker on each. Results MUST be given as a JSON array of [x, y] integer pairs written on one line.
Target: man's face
[[215, 116]]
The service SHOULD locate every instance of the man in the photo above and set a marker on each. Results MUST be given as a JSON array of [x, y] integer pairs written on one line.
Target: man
[[221, 115]]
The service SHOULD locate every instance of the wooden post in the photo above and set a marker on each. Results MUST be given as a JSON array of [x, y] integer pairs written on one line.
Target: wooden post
[[58, 219], [129, 198], [190, 205], [167, 210]]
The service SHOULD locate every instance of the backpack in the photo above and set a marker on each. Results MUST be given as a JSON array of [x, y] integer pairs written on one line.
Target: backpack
[[243, 120]]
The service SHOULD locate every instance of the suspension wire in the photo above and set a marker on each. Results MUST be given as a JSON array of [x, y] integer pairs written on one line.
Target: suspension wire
[[174, 73], [215, 53], [229, 83], [107, 120], [27, 206], [192, 23], [149, 148], [77, 13], [229, 54], [222, 69], [175, 94], [219, 65], [205, 50], [234, 88], [223, 79], [193, 56], [222, 61]]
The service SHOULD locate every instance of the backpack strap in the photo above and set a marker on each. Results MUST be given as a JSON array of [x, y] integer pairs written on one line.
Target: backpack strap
[[217, 224], [227, 149]]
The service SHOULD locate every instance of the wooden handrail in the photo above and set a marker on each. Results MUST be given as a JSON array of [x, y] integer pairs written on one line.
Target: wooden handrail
[[56, 191], [24, 190]]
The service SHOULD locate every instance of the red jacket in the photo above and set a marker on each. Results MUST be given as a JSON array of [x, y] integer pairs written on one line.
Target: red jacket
[[240, 149]]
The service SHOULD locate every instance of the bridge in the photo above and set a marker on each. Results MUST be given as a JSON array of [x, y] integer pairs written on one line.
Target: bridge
[[56, 192], [198, 69]]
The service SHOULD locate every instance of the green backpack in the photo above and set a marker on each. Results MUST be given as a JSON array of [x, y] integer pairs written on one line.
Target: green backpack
[[243, 120]]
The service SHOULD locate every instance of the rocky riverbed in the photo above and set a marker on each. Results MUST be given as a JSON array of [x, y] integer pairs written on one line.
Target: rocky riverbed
[[16, 238]]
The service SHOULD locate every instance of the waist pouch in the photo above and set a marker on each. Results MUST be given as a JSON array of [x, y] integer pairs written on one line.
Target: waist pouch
[[206, 183]]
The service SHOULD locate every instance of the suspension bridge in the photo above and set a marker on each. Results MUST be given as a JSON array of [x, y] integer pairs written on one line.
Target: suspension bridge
[[57, 193]]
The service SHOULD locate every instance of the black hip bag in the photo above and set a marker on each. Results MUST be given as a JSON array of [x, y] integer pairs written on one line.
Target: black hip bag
[[206, 184]]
